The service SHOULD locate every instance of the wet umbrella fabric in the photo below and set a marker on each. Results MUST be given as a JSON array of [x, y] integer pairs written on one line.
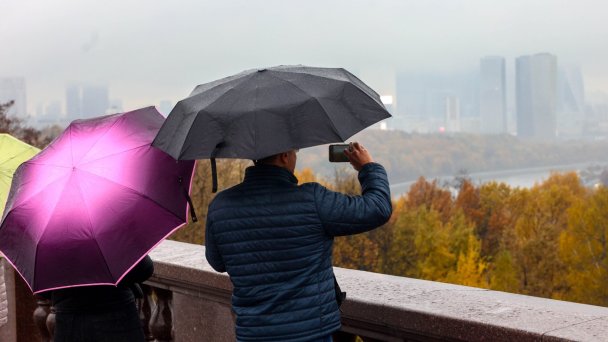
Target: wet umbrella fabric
[[258, 113], [88, 207], [13, 152]]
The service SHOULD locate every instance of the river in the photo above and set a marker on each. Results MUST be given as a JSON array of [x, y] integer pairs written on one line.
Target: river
[[524, 177]]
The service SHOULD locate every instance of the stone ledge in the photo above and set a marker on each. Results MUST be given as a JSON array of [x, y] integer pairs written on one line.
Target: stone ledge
[[397, 308]]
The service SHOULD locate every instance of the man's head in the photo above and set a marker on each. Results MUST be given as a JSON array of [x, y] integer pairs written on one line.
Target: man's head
[[286, 160]]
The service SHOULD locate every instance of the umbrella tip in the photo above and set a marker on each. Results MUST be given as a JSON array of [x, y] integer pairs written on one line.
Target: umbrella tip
[[261, 70]]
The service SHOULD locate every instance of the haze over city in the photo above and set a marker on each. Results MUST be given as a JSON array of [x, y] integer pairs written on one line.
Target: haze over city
[[148, 52]]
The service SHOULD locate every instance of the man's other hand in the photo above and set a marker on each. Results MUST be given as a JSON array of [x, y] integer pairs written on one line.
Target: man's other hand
[[357, 155]]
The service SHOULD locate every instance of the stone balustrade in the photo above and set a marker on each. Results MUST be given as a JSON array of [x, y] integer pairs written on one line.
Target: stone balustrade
[[186, 300]]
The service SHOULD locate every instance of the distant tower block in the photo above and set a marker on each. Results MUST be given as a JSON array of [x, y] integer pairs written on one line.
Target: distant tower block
[[452, 113], [492, 96], [536, 90], [13, 89]]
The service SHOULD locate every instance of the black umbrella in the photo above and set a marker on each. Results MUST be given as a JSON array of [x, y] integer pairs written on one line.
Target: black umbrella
[[258, 113]]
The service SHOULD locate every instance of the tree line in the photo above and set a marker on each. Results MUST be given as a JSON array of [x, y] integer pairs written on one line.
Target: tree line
[[548, 241]]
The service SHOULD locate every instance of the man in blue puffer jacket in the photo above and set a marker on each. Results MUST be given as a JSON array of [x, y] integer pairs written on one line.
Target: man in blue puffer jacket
[[275, 239]]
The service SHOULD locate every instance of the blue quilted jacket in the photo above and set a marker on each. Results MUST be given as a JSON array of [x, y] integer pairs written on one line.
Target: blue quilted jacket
[[275, 238]]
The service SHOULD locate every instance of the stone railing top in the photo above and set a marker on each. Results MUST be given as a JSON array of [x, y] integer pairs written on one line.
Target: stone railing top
[[398, 307]]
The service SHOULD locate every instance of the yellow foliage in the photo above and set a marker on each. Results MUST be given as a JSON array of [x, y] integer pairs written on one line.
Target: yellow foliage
[[583, 246], [306, 175], [550, 240]]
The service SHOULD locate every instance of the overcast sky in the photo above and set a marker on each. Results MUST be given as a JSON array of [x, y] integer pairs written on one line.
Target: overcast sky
[[147, 51]]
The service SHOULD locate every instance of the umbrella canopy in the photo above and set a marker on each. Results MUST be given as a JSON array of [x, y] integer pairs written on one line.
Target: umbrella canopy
[[258, 113], [94, 202], [13, 152]]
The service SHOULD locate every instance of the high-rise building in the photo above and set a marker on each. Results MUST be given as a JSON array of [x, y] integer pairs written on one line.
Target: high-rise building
[[382, 79], [492, 95], [73, 101], [570, 101], [13, 89], [421, 99], [452, 113], [536, 96], [95, 100]]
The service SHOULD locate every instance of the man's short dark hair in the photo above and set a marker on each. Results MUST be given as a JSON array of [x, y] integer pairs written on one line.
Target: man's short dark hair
[[266, 160]]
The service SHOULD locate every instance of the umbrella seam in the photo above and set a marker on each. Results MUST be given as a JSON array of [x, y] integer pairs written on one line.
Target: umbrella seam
[[363, 87], [317, 101], [120, 119], [15, 156], [41, 235], [236, 79], [309, 74], [133, 191], [38, 192], [243, 79], [113, 154], [349, 78], [174, 136], [91, 226]]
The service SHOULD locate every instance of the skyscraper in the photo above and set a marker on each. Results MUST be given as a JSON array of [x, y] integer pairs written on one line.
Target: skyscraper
[[570, 101], [492, 95], [421, 99], [73, 102], [95, 100], [452, 113], [383, 80], [536, 95], [13, 89]]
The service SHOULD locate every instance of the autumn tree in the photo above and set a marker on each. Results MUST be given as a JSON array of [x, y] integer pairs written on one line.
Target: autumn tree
[[431, 196], [353, 251], [534, 242], [15, 127], [583, 247], [229, 173]]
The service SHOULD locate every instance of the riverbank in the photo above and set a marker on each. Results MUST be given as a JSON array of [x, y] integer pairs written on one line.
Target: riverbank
[[521, 177]]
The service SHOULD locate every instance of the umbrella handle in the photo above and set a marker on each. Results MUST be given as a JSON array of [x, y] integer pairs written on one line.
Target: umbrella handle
[[213, 175], [192, 212], [214, 167]]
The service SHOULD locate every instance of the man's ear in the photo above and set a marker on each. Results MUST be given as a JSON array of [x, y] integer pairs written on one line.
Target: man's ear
[[284, 158]]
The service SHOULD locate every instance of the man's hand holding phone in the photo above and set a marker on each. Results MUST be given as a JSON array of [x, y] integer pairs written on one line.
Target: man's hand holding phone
[[354, 152]]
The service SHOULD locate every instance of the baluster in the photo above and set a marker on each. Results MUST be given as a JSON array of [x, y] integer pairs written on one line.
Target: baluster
[[40, 316], [145, 311], [50, 323], [161, 323]]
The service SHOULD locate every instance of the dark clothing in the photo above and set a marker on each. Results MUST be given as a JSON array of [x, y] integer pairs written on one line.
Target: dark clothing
[[275, 239], [114, 326], [103, 298], [101, 313]]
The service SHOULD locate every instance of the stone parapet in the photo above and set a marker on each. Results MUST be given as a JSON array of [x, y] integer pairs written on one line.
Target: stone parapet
[[381, 307], [186, 300]]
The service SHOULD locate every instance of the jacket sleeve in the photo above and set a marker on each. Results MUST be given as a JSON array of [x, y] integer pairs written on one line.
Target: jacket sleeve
[[341, 214], [211, 252]]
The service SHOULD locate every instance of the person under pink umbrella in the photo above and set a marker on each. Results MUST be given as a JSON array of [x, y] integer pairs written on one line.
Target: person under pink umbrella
[[84, 213]]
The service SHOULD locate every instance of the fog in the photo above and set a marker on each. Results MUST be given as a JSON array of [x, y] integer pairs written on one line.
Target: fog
[[148, 51]]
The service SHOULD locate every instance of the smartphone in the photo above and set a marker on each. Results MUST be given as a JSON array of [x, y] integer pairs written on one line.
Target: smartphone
[[336, 153]]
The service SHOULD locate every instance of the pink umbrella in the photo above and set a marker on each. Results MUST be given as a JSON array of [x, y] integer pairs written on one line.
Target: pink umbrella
[[94, 202]]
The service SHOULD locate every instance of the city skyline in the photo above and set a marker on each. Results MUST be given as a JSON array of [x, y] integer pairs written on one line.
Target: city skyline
[[153, 51], [423, 102]]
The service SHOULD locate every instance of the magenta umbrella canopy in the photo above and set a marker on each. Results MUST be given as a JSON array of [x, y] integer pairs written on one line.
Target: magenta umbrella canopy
[[94, 202]]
